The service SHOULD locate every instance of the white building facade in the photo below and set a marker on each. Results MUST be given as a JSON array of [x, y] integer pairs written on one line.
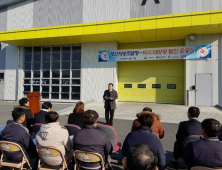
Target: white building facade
[[67, 69]]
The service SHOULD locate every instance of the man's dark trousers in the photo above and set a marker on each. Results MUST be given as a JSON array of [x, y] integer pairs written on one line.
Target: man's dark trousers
[[109, 119], [110, 105]]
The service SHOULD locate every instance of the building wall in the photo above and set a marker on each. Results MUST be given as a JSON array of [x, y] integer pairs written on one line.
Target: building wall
[[3, 19], [2, 56], [211, 65], [100, 10], [11, 67], [57, 12], [2, 69], [20, 73], [44, 13], [2, 89], [20, 16], [95, 75], [171, 7]]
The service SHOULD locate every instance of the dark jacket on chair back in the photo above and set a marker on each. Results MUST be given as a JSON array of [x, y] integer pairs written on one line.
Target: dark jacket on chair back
[[15, 132], [90, 139], [204, 152], [76, 119], [187, 128], [144, 134], [40, 117]]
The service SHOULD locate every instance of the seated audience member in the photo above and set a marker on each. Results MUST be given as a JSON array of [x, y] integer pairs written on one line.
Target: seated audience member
[[76, 117], [90, 139], [136, 122], [40, 116], [144, 134], [29, 121], [157, 127], [206, 152], [16, 132], [55, 135], [186, 128], [140, 157]]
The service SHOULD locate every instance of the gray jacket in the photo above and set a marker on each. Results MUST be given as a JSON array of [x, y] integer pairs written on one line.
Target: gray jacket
[[112, 103]]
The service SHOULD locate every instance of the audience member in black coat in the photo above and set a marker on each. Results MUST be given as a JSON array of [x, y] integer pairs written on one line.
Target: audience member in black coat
[[40, 116], [206, 152], [144, 134], [29, 121], [91, 139], [186, 128], [16, 132], [76, 118]]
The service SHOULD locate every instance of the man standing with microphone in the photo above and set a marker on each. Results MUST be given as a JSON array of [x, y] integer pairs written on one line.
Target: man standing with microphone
[[110, 97]]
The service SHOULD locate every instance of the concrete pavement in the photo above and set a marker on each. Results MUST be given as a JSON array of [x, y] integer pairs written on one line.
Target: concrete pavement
[[169, 113]]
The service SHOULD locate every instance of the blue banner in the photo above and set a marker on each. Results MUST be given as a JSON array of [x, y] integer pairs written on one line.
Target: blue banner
[[184, 52]]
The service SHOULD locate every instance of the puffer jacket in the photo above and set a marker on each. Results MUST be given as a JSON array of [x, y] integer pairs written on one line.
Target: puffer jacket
[[157, 127], [55, 135], [29, 121]]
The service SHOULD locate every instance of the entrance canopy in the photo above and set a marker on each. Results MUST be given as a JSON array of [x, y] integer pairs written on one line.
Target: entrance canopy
[[157, 28]]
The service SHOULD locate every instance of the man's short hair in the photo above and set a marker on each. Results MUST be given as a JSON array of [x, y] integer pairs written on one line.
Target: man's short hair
[[146, 120], [46, 105], [147, 109], [194, 111], [211, 127], [141, 157], [17, 113], [23, 101], [90, 117], [110, 84], [51, 117]]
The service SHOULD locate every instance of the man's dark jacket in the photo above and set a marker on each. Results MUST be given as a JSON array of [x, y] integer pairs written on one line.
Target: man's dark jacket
[[40, 117], [15, 132], [187, 128], [110, 104], [91, 139], [203, 152], [144, 135], [29, 121]]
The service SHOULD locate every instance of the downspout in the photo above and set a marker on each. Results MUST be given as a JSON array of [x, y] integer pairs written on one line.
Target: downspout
[[18, 73]]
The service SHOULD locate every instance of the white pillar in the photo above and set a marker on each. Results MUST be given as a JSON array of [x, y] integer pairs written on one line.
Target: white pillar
[[96, 75]]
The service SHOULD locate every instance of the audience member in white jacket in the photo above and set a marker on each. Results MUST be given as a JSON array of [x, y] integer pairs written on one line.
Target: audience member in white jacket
[[55, 135]]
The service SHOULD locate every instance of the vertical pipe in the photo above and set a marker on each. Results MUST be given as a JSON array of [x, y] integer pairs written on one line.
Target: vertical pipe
[[18, 71], [187, 97]]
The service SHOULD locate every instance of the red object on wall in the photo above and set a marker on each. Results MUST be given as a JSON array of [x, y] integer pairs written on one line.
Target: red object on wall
[[34, 102]]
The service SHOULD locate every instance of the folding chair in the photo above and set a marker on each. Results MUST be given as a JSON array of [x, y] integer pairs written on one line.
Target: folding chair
[[87, 157], [112, 135], [72, 129], [12, 147], [203, 168], [44, 151], [190, 139]]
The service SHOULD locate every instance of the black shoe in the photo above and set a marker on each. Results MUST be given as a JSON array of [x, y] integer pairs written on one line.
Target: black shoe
[[111, 124], [107, 123], [175, 162]]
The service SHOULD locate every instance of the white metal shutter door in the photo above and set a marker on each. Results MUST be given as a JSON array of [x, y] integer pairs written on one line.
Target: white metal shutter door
[[203, 89]]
